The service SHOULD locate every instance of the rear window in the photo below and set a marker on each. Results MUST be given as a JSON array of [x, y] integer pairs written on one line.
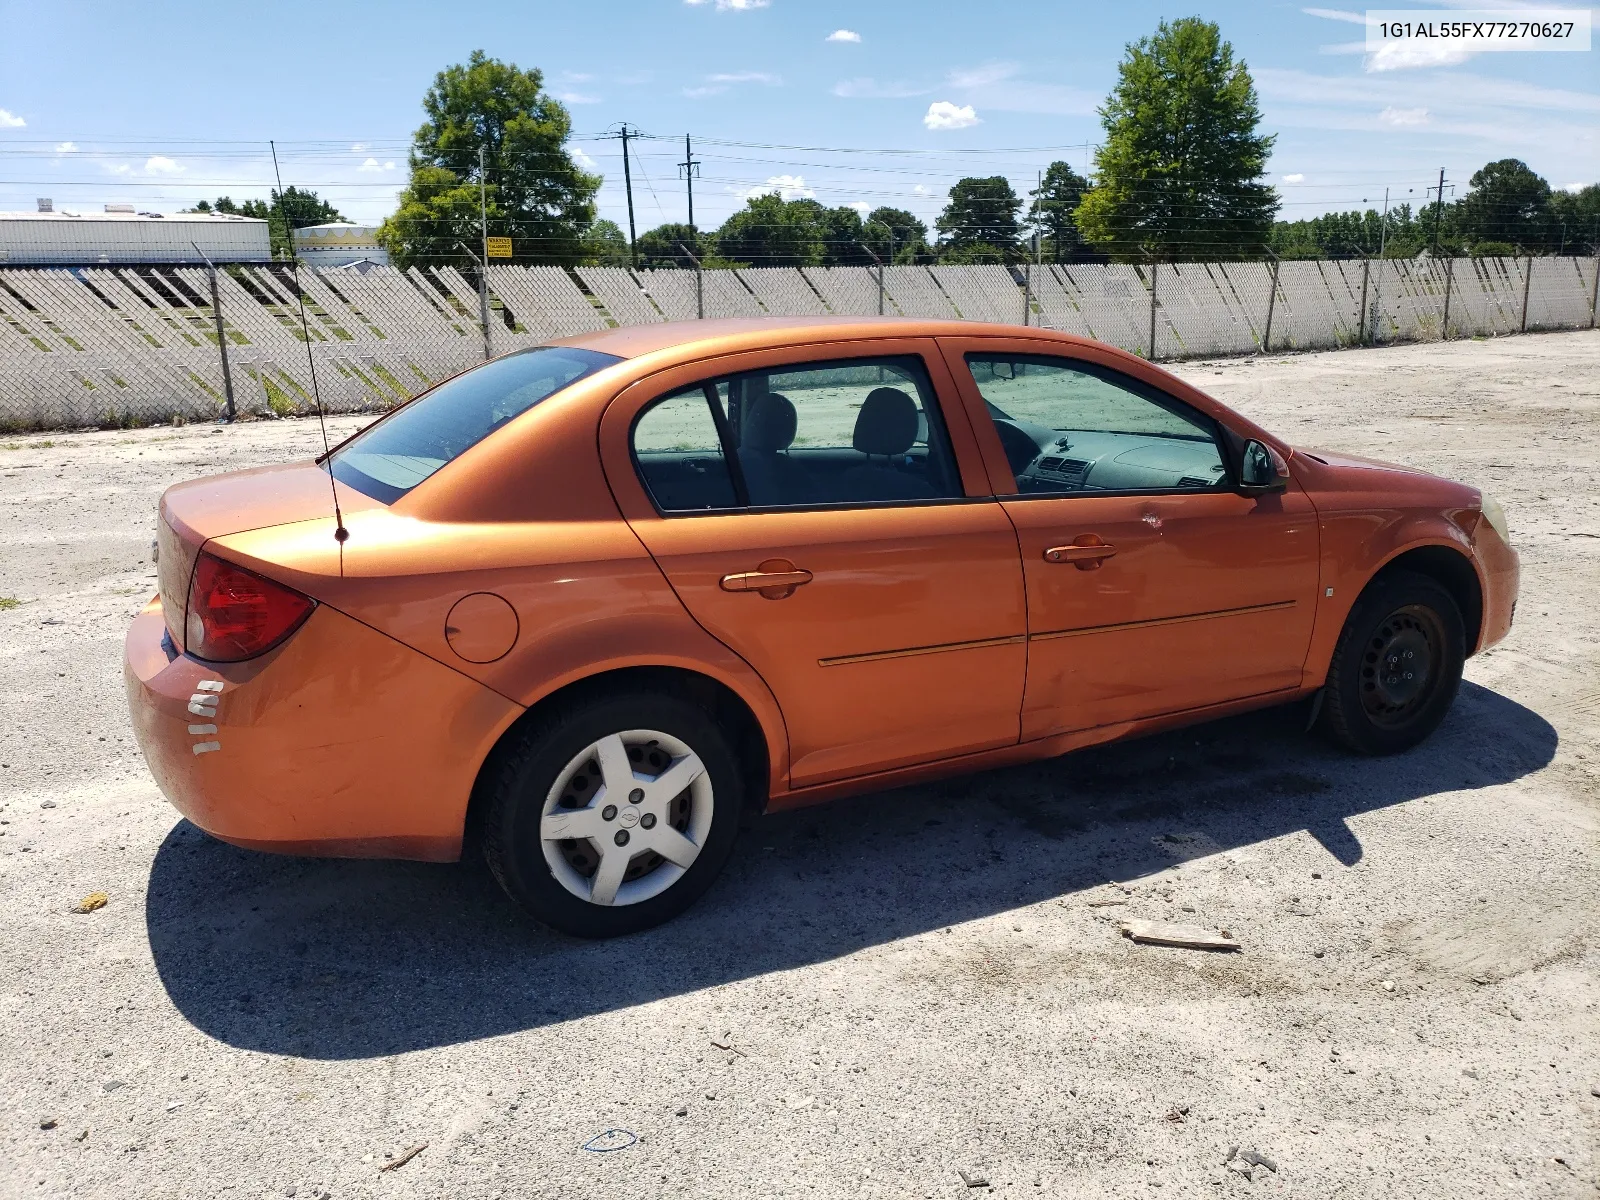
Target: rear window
[[402, 450]]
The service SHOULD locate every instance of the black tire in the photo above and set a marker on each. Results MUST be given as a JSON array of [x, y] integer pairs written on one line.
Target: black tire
[[526, 767], [1409, 624]]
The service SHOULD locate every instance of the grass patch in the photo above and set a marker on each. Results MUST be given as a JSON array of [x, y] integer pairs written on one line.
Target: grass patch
[[9, 602]]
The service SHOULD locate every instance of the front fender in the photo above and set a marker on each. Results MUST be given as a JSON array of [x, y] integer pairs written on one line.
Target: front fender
[[1356, 546]]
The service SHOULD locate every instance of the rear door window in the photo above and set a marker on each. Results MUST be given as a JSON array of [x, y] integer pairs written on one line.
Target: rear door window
[[403, 449], [828, 434]]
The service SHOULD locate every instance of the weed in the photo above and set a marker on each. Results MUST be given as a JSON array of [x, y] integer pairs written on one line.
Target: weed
[[9, 602]]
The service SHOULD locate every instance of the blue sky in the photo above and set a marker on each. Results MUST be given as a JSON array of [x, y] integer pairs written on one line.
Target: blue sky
[[160, 104]]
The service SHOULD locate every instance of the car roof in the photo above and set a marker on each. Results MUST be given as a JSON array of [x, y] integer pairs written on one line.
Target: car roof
[[721, 335]]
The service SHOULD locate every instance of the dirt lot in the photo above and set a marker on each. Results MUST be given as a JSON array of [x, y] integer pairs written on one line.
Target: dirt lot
[[880, 994]]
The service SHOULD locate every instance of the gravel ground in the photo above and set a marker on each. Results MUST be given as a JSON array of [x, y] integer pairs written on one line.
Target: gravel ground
[[880, 994]]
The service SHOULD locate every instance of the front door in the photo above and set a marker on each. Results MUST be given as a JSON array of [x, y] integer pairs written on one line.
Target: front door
[[812, 516], [1153, 585]]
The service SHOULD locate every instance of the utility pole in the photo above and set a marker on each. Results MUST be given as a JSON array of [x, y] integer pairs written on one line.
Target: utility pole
[[690, 169], [627, 182]]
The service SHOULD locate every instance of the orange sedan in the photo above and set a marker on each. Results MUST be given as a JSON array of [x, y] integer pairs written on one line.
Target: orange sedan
[[593, 600]]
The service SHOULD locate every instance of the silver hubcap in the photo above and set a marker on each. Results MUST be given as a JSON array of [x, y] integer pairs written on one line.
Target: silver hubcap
[[626, 817]]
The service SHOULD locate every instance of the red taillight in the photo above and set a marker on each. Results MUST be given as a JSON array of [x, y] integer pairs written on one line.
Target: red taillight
[[236, 614]]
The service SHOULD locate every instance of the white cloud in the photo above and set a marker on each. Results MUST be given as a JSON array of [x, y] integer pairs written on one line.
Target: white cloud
[[866, 88], [1575, 188], [843, 35], [160, 164], [1399, 117], [790, 187], [577, 98], [10, 120], [861, 206], [358, 147], [577, 77], [1409, 55], [942, 114], [370, 165], [1336, 14], [920, 190], [999, 85], [66, 148], [1295, 178], [583, 160], [388, 166], [746, 77], [697, 93], [993, 72], [734, 5]]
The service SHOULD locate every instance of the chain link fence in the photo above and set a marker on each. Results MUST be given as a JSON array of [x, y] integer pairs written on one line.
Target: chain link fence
[[111, 346]]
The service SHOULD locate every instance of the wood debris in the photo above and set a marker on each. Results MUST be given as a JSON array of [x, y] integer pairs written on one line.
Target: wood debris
[[1191, 937], [407, 1156]]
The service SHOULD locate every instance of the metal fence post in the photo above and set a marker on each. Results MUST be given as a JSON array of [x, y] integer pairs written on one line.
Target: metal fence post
[[1527, 286], [699, 283], [1153, 265], [1361, 321], [1272, 301], [222, 343], [1449, 279], [1594, 292]]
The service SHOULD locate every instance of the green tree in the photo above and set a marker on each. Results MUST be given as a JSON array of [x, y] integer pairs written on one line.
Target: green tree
[[843, 234], [659, 247], [895, 230], [605, 245], [1179, 173], [535, 192], [1054, 201], [1577, 218], [297, 208], [980, 212], [1508, 203], [770, 231]]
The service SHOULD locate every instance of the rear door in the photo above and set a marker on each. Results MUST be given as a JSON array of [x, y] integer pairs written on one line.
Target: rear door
[[816, 512], [1153, 585]]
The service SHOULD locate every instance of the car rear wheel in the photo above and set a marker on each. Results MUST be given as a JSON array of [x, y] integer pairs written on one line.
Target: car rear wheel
[[612, 816], [1397, 666]]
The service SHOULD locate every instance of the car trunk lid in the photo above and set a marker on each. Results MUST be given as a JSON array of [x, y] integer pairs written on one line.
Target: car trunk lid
[[193, 513]]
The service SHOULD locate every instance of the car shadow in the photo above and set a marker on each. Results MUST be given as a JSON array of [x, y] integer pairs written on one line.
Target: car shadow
[[339, 959]]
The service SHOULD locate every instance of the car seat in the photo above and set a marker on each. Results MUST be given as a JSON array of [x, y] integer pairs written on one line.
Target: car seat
[[886, 428], [770, 475]]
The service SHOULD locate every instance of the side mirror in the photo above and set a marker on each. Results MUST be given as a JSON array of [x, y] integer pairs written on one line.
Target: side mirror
[[1262, 470]]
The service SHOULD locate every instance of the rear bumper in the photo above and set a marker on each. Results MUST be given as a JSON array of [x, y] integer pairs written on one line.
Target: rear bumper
[[339, 742]]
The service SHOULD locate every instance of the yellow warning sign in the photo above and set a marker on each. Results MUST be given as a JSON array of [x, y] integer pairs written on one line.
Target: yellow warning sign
[[499, 247]]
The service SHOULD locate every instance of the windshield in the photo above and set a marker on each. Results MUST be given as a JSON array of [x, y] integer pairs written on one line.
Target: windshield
[[398, 453]]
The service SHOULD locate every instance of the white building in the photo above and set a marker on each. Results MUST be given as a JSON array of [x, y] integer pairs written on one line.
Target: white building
[[121, 235], [339, 244]]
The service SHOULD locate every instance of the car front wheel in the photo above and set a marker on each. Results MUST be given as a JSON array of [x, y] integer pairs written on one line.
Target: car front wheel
[[1397, 666], [612, 816]]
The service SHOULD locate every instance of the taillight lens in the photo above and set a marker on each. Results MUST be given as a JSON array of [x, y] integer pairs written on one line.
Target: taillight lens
[[236, 614]]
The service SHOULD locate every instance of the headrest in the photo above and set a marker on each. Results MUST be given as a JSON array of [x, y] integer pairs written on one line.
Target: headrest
[[770, 424], [887, 422]]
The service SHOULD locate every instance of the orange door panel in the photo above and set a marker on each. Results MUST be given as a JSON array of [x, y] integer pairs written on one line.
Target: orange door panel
[[889, 633], [1140, 605], [889, 636]]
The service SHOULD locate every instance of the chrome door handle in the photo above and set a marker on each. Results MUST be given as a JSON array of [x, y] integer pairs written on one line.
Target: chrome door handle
[[772, 580], [1087, 552]]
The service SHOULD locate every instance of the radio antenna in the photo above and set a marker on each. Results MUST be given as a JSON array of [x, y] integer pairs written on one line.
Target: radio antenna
[[340, 533]]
